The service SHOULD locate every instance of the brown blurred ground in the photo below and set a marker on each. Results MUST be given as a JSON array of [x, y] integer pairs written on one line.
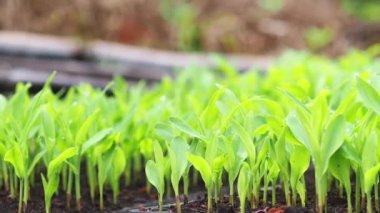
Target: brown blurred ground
[[224, 25]]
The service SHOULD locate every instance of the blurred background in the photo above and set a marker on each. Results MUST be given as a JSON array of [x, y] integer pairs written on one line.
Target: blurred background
[[229, 26]]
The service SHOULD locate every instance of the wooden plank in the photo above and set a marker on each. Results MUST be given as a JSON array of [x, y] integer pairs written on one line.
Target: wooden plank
[[38, 45], [32, 57], [168, 59], [31, 44]]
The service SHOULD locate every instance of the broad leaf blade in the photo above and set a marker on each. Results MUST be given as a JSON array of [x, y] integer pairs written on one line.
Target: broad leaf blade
[[98, 137], [369, 95], [182, 126], [15, 157], [332, 139], [202, 166], [58, 161]]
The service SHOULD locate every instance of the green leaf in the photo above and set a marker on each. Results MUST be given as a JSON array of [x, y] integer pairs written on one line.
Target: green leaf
[[98, 137], [50, 187], [164, 131], [48, 125], [153, 175], [370, 177], [35, 161], [182, 126], [299, 163], [339, 167], [332, 139], [119, 162], [203, 167], [55, 164], [244, 178], [178, 149], [369, 156], [15, 157], [83, 130], [104, 166], [282, 156], [295, 100], [247, 141], [369, 95], [3, 149], [158, 154], [299, 131]]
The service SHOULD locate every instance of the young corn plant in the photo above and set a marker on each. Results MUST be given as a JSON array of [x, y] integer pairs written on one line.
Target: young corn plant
[[201, 165], [155, 172], [178, 148], [244, 182], [83, 142], [51, 183], [235, 157], [322, 135]]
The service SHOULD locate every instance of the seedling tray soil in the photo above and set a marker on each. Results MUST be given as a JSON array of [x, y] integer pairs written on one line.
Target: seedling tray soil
[[132, 196], [336, 203]]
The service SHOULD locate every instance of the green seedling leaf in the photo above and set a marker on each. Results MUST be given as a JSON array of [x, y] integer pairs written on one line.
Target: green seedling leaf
[[35, 161], [300, 131], [339, 167], [158, 153], [182, 126], [247, 141], [369, 157], [155, 171], [295, 100], [83, 131], [104, 166], [15, 157], [203, 167], [299, 163], [48, 125], [243, 185], [55, 164], [164, 131], [332, 139], [98, 137], [154, 176], [119, 162], [50, 187], [370, 177], [177, 149], [369, 95], [3, 149]]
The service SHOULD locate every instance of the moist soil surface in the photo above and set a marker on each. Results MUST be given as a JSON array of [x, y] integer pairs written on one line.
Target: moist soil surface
[[135, 198], [132, 196], [336, 203]]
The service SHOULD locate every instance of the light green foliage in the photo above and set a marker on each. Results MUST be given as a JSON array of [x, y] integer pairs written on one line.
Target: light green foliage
[[51, 183], [178, 148], [155, 171], [201, 165], [244, 180], [369, 95]]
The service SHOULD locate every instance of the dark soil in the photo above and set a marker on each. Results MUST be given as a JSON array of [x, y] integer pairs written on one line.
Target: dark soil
[[336, 203], [130, 196], [135, 199]]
